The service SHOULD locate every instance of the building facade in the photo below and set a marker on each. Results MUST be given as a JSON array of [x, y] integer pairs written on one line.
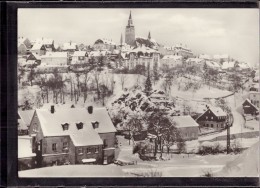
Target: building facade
[[214, 117], [72, 136]]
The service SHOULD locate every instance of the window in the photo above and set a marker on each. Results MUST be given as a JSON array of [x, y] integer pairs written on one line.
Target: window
[[206, 117], [80, 151], [54, 147], [65, 126], [65, 146], [105, 143], [88, 150], [212, 117], [212, 125], [79, 125], [96, 150]]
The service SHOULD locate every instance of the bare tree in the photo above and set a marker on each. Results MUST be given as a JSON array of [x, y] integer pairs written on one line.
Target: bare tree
[[97, 77], [123, 79]]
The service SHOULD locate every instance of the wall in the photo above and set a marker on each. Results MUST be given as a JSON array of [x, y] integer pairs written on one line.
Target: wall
[[91, 154], [48, 141], [54, 61], [26, 163], [50, 160], [212, 124], [189, 133], [110, 141]]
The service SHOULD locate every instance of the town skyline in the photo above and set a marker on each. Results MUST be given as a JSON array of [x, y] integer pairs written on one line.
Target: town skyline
[[233, 32]]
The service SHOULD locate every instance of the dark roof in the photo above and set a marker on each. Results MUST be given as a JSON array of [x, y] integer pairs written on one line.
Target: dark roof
[[145, 42]]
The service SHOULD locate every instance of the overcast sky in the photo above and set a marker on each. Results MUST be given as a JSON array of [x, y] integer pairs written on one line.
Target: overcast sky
[[211, 31]]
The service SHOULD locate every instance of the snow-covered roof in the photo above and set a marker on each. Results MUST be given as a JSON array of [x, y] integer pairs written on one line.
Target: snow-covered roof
[[204, 56], [218, 111], [212, 64], [86, 136], [175, 57], [243, 65], [26, 117], [143, 49], [251, 104], [36, 56], [228, 64], [195, 60], [45, 41], [79, 53], [184, 121], [69, 46], [105, 41], [37, 46], [97, 53], [223, 56], [51, 122], [55, 55]]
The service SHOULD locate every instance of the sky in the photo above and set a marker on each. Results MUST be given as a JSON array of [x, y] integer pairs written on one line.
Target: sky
[[208, 31]]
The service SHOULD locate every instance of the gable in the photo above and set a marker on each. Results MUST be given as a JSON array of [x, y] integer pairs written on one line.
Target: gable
[[207, 116]]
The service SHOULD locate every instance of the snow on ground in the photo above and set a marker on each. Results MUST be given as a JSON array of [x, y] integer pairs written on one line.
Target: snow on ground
[[24, 147], [204, 92], [244, 165], [75, 171], [179, 165]]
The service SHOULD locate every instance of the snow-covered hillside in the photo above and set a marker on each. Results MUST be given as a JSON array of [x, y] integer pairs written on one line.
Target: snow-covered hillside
[[245, 165]]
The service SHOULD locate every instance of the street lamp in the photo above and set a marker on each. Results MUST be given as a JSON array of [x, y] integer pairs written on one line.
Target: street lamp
[[229, 123]]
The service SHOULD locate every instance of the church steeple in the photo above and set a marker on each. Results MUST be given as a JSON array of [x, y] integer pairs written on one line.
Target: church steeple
[[149, 35], [130, 32], [130, 21]]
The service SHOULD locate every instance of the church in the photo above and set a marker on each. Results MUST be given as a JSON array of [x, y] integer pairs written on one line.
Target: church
[[138, 50]]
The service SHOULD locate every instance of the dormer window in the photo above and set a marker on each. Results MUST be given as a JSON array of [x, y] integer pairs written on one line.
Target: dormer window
[[95, 124], [65, 126], [79, 125]]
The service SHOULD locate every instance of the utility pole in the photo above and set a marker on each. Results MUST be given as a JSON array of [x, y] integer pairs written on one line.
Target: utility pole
[[229, 123]]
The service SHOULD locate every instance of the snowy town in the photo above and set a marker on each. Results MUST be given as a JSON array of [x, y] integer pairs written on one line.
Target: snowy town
[[134, 107]]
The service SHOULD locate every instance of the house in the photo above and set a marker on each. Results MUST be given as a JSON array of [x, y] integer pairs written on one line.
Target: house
[[159, 98], [143, 55], [24, 120], [250, 108], [254, 97], [48, 43], [25, 41], [104, 44], [22, 49], [184, 51], [213, 65], [221, 58], [72, 135], [33, 59], [39, 49], [213, 117], [70, 47], [205, 57], [187, 127], [171, 61], [228, 65], [195, 62], [55, 59], [79, 57]]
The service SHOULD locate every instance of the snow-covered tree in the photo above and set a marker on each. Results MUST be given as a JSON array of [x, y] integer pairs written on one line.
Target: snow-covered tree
[[148, 85]]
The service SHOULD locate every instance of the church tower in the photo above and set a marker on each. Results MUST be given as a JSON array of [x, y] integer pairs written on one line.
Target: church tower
[[130, 32]]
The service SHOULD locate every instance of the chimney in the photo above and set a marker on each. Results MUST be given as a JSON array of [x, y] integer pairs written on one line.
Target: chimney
[[90, 109], [52, 109], [70, 42]]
